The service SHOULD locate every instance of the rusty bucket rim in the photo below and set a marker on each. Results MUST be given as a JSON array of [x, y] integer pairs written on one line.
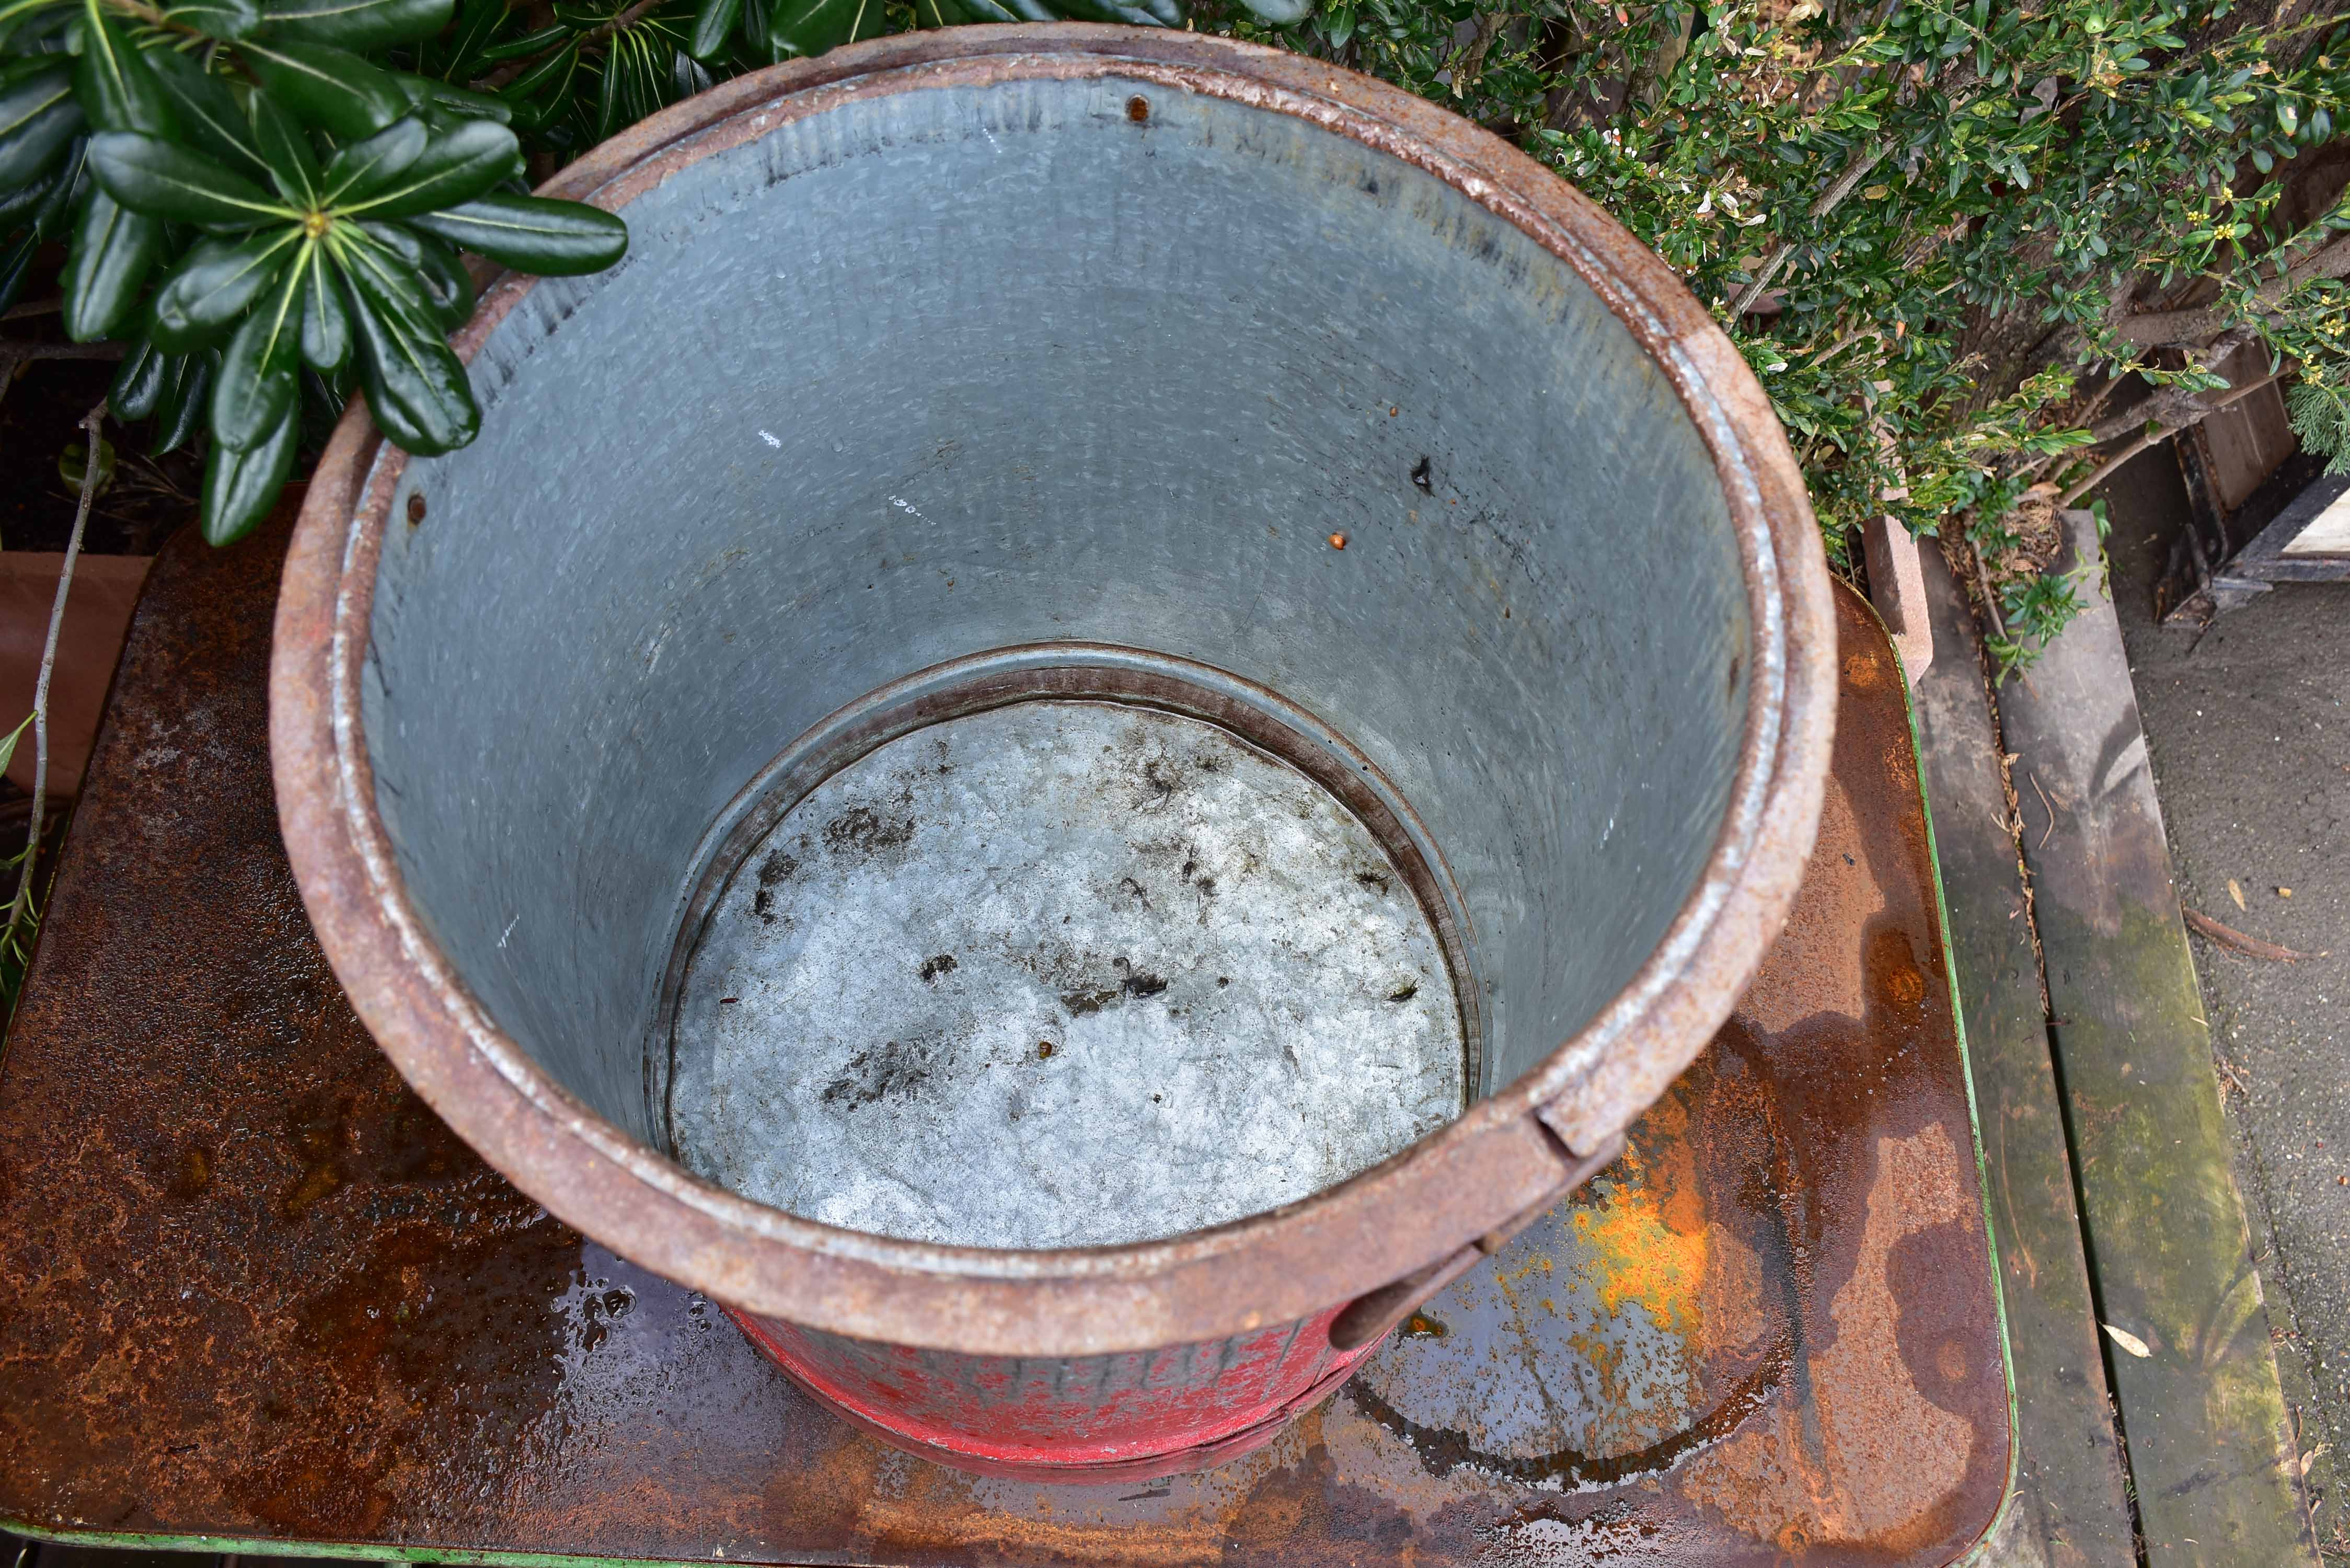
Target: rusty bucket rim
[[1504, 1155]]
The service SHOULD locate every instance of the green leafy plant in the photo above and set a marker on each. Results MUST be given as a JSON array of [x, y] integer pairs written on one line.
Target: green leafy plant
[[265, 214], [2321, 417], [1966, 246], [1978, 254], [267, 201]]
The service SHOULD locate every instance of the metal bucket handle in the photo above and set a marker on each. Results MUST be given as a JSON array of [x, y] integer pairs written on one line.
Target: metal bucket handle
[[1370, 1317]]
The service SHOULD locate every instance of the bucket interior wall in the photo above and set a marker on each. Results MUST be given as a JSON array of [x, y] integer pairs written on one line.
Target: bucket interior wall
[[942, 371]]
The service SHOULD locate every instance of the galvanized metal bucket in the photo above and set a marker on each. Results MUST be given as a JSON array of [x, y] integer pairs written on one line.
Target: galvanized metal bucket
[[1099, 378]]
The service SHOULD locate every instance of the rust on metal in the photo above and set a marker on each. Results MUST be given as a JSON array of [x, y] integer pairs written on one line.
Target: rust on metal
[[1278, 1268], [252, 1288]]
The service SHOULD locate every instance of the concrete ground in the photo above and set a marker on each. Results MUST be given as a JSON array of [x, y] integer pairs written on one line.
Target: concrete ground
[[2249, 728]]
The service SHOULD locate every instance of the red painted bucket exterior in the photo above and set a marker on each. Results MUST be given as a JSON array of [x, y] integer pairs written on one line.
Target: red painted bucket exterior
[[1138, 1414]]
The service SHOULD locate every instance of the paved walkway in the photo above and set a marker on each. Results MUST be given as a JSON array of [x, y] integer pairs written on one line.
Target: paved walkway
[[2249, 728]]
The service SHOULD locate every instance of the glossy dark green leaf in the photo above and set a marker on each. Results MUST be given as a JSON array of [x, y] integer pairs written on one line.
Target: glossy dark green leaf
[[329, 87], [321, 405], [325, 319], [241, 486], [458, 53], [546, 73], [366, 166], [285, 148], [356, 24], [939, 14], [229, 19], [462, 103], [14, 68], [25, 200], [713, 28], [455, 168], [39, 117], [138, 381], [809, 27], [542, 113], [73, 184], [415, 387], [25, 17], [451, 285], [119, 89], [1281, 13], [633, 84], [443, 279], [113, 248], [1143, 13], [532, 233], [184, 400], [148, 175], [212, 286], [527, 46], [208, 114], [753, 32], [16, 262], [253, 389]]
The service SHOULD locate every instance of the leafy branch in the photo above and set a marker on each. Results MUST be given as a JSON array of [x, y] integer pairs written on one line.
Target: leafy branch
[[257, 210], [1957, 242]]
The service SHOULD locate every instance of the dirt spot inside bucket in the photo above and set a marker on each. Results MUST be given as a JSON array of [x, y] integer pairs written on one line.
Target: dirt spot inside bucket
[[863, 830], [774, 871], [888, 1071]]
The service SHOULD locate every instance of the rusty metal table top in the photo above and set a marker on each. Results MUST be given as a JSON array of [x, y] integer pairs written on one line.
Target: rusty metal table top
[[254, 1294]]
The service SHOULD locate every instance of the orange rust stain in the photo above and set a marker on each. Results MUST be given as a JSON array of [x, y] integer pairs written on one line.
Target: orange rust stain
[[1894, 976], [1647, 1239]]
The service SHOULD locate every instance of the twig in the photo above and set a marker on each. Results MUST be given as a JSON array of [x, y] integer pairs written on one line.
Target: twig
[[1828, 199], [92, 424], [2098, 475], [2157, 430], [2251, 947], [15, 354], [1469, 63], [2161, 326], [1990, 595], [32, 308]]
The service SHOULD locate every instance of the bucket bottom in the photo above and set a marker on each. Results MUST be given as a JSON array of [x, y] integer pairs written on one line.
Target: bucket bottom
[[1070, 970], [1095, 1420]]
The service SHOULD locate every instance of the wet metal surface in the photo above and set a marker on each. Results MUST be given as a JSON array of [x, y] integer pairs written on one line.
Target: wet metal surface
[[1060, 974], [251, 1288]]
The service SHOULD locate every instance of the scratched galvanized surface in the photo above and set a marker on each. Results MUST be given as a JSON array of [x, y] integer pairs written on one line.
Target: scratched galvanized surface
[[1060, 974], [251, 1288]]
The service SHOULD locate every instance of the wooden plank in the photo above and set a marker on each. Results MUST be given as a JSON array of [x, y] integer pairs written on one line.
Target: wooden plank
[[2200, 1412], [2068, 1509]]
